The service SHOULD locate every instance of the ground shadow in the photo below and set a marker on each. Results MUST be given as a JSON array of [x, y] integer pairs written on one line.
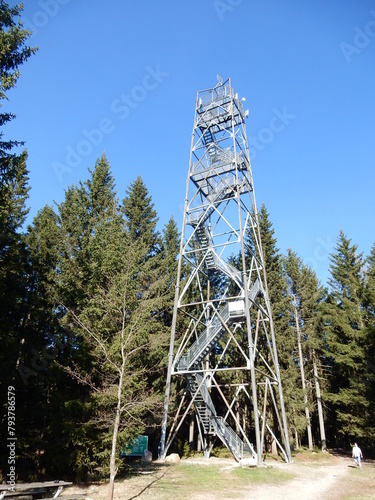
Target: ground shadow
[[340, 452], [148, 486]]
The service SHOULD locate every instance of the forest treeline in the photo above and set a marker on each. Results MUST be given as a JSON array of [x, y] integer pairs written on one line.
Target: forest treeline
[[87, 293]]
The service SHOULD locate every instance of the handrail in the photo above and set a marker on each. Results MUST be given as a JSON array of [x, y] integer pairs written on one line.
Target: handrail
[[220, 426]]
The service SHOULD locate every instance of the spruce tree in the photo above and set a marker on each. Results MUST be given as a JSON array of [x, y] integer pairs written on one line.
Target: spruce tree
[[120, 326], [13, 191], [369, 322], [307, 295], [87, 208], [41, 344], [140, 215], [345, 335], [13, 195], [13, 53], [281, 307]]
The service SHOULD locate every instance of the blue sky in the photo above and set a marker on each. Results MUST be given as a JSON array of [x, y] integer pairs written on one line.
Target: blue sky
[[122, 77]]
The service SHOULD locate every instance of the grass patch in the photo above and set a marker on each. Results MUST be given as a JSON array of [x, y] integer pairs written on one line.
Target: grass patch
[[187, 480], [308, 456], [264, 475], [360, 484], [202, 476]]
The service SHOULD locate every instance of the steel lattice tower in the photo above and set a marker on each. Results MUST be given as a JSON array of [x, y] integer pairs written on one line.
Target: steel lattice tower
[[224, 345]]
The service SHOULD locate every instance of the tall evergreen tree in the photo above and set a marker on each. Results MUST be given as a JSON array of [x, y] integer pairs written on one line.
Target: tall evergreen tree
[[13, 188], [13, 194], [281, 307], [307, 297], [346, 342], [87, 208], [40, 345], [369, 321], [118, 317], [13, 53], [140, 215]]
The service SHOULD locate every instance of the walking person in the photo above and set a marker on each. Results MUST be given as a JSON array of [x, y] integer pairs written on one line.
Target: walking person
[[357, 455]]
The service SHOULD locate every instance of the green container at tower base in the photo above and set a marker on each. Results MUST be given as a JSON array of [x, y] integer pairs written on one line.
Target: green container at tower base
[[135, 448]]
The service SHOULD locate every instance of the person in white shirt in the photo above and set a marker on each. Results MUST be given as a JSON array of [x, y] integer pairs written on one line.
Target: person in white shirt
[[357, 455]]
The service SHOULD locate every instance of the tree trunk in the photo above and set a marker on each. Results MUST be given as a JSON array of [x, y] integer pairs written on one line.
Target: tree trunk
[[112, 465], [307, 412], [296, 438], [191, 432], [273, 447], [320, 409]]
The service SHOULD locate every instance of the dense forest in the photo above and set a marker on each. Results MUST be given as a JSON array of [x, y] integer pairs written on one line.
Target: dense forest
[[86, 303]]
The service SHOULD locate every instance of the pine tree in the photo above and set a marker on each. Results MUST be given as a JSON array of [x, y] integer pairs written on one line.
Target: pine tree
[[82, 210], [113, 278], [40, 345], [13, 53], [346, 341], [281, 307], [307, 296], [369, 321], [13, 196], [86, 209], [140, 215], [122, 329], [13, 190]]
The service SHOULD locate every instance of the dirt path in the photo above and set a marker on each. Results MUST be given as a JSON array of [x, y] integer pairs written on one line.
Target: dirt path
[[312, 481]]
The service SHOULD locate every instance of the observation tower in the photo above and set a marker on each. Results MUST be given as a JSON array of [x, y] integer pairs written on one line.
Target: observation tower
[[223, 344]]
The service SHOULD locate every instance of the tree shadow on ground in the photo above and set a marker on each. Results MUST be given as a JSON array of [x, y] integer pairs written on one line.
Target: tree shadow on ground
[[153, 469], [341, 452]]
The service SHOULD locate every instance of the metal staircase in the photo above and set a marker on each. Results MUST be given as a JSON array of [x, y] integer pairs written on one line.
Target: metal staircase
[[231, 312], [212, 423]]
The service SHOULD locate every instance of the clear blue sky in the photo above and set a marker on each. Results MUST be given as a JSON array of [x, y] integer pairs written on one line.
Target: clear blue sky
[[122, 76]]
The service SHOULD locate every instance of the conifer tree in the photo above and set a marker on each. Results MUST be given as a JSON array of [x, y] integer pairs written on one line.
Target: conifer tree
[[307, 297], [13, 53], [13, 195], [86, 208], [281, 307], [346, 341], [119, 322], [140, 215], [13, 190], [41, 343], [369, 321], [82, 210]]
